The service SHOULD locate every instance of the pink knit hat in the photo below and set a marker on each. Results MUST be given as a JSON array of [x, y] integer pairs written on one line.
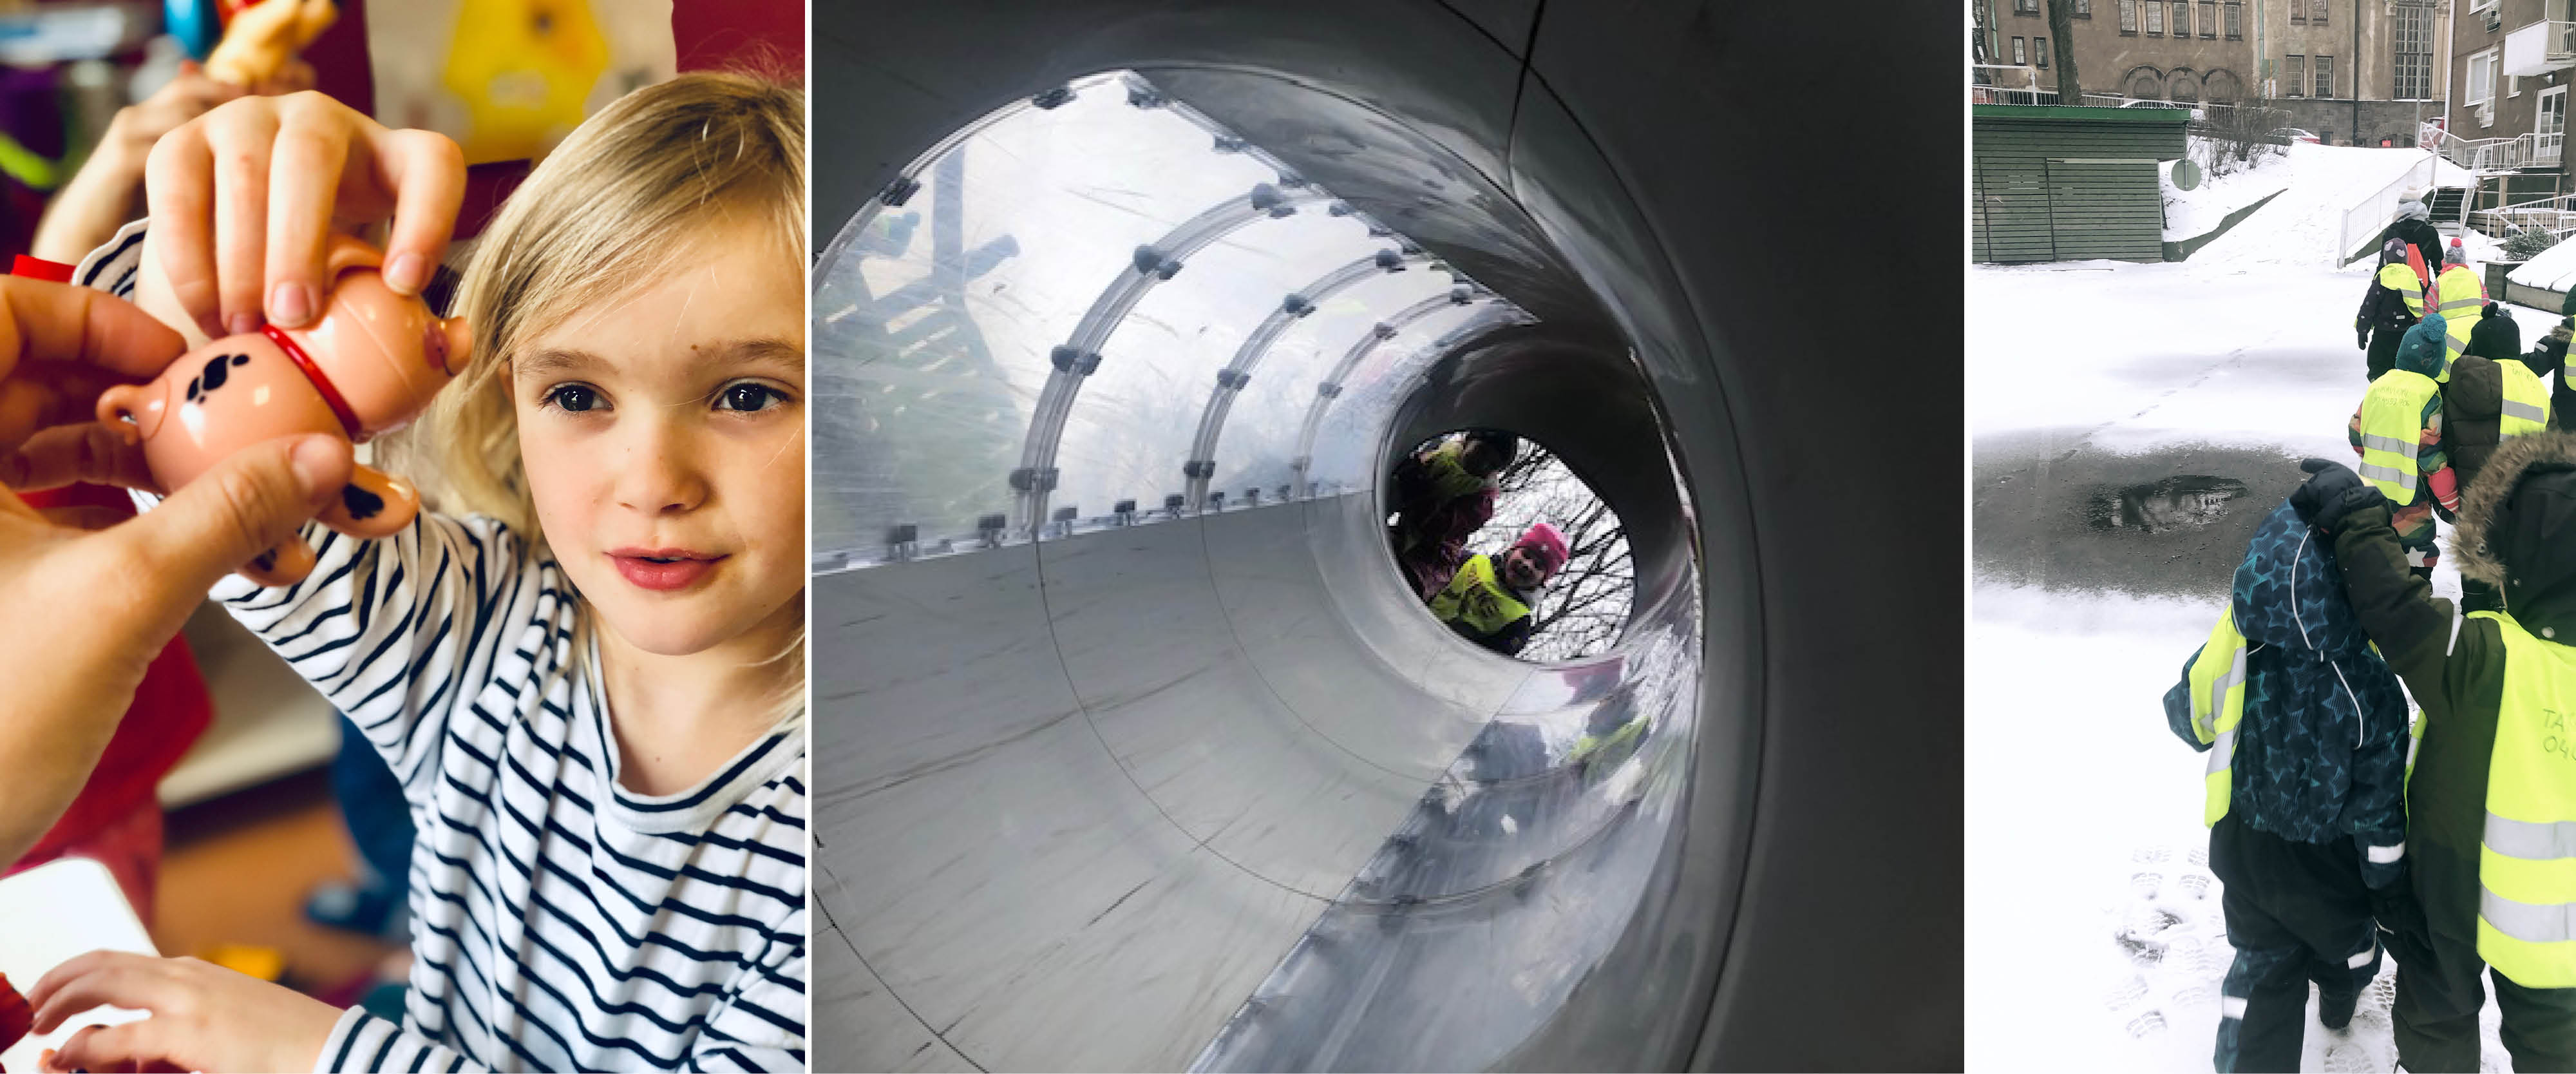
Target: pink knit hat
[[1549, 545]]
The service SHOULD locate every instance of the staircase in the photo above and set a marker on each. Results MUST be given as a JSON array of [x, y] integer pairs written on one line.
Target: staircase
[[2449, 216]]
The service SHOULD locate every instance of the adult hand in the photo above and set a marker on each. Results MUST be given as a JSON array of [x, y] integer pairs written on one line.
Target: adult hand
[[2332, 491], [204, 1017], [244, 198], [97, 606]]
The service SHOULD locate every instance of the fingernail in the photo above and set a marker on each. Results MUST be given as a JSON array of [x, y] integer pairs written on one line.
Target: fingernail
[[290, 305], [408, 273], [314, 459], [241, 324]]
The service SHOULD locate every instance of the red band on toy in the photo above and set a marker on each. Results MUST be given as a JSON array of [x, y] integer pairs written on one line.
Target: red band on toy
[[322, 384], [37, 268]]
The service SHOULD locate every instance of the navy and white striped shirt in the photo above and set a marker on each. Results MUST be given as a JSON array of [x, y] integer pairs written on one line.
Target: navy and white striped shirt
[[559, 921]]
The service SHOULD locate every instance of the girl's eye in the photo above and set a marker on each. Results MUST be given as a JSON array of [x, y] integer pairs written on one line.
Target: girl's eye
[[573, 398], [748, 397]]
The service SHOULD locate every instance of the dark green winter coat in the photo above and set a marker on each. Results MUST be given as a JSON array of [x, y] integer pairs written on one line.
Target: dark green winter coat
[[2521, 511]]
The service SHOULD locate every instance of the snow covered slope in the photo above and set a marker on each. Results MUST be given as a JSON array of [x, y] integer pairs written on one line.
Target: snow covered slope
[[2303, 225]]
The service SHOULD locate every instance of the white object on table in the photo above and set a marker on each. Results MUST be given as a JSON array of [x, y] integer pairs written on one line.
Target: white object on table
[[48, 915]]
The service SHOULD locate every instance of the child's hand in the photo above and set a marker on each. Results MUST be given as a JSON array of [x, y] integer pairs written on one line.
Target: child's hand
[[243, 198], [204, 1017]]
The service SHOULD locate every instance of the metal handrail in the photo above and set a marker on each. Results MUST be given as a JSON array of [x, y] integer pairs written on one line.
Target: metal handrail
[[2372, 214]]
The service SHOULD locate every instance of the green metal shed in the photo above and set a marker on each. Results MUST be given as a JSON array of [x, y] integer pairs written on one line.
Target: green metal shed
[[2060, 183]]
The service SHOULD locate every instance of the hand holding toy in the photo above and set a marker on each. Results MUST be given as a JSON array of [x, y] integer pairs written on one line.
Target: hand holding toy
[[263, 36], [368, 365]]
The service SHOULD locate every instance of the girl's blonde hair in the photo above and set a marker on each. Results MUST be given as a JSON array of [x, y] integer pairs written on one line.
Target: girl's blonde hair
[[595, 220]]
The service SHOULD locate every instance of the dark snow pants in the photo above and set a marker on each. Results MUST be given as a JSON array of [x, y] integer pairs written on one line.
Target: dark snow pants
[[2438, 988], [2383, 350], [2296, 912]]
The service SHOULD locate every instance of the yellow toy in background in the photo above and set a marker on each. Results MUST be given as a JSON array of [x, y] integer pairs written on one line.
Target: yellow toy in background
[[264, 36], [523, 69]]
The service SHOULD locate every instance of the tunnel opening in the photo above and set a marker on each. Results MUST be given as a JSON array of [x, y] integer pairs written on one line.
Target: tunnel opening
[[1541, 596], [1107, 395]]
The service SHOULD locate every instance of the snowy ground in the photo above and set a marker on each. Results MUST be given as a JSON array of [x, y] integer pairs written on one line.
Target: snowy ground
[[2303, 226], [2097, 937]]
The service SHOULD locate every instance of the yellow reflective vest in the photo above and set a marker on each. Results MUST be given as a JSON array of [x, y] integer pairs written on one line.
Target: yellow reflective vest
[[2392, 432], [2527, 854], [2217, 705], [2526, 400], [1477, 597], [2462, 301], [2401, 279]]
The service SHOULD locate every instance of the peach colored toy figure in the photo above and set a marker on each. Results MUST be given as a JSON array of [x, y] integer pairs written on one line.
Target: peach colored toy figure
[[264, 35], [369, 364]]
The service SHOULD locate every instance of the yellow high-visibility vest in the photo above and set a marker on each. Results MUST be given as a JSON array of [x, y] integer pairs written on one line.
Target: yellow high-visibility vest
[[2397, 277], [1477, 597], [2392, 433], [2217, 706], [2462, 302], [2527, 854], [2526, 400]]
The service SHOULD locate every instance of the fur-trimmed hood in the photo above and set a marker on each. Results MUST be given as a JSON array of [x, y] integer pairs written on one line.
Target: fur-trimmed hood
[[2517, 530]]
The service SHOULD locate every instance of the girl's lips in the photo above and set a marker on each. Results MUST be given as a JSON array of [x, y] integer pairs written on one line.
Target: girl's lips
[[660, 571]]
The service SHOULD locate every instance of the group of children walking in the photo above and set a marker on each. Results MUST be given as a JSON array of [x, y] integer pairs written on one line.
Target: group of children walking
[[2339, 828], [1441, 496]]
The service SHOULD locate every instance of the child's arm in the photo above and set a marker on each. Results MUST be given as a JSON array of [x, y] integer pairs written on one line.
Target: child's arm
[[2178, 707], [2398, 610]]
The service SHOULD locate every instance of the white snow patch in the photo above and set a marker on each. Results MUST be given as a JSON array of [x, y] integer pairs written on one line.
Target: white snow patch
[[2554, 269], [2304, 225], [2193, 213]]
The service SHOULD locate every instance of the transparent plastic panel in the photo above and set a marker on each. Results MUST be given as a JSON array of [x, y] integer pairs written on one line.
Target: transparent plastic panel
[[1129, 432], [1258, 445], [1346, 444], [934, 319]]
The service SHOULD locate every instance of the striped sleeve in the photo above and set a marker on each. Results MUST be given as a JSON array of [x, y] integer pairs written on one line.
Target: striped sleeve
[[761, 1026], [399, 633], [364, 1042]]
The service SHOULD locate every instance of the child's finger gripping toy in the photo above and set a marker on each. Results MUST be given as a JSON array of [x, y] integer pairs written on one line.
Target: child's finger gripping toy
[[368, 365]]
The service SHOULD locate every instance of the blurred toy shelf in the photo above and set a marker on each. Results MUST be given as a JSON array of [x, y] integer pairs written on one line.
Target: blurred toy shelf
[[268, 722]]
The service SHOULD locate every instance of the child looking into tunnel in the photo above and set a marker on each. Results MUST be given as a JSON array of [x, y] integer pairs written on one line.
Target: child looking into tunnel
[[1493, 600], [1441, 497], [590, 686]]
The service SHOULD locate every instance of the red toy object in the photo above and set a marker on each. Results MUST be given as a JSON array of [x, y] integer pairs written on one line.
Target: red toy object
[[38, 268], [16, 1017], [369, 364]]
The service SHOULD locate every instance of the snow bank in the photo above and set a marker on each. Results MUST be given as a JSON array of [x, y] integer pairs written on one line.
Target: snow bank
[[2305, 224], [2554, 269], [2192, 213]]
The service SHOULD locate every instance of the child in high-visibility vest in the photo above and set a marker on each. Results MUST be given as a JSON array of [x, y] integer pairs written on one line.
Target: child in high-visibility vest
[[2397, 431], [2487, 794], [1493, 600], [2306, 731]]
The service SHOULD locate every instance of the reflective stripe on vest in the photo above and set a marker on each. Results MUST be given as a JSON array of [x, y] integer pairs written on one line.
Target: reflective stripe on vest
[[2526, 400], [2527, 856], [2392, 431], [2463, 299], [2217, 703], [2402, 280], [1474, 595]]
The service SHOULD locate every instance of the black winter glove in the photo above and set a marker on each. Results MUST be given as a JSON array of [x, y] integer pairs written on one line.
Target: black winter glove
[[2444, 513], [2362, 337], [2332, 492]]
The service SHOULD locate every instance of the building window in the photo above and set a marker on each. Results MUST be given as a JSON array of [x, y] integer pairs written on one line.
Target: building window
[[2325, 77], [2235, 21], [2482, 71], [2209, 18], [2299, 11], [2155, 18], [2039, 51], [2025, 7], [2317, 11], [2019, 57], [2083, 9], [2481, 5], [2182, 18], [2294, 74], [2128, 16], [2414, 61]]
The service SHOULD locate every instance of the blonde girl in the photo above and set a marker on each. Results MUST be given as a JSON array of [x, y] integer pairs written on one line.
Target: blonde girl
[[584, 670]]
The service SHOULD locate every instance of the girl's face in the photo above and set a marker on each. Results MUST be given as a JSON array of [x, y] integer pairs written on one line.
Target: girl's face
[[663, 435]]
